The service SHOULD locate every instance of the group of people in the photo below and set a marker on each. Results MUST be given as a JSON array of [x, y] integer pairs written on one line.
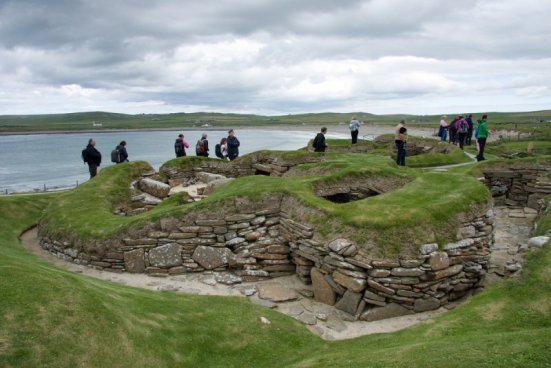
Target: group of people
[[460, 132], [227, 149]]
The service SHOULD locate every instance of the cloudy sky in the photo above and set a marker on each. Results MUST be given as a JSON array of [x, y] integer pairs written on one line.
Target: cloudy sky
[[274, 57]]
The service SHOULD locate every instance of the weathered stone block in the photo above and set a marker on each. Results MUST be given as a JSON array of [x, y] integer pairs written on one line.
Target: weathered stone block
[[134, 261], [439, 261], [154, 187], [353, 284], [168, 255], [211, 258], [349, 302], [323, 292]]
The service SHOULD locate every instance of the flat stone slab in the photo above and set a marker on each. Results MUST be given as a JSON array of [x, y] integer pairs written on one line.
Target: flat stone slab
[[276, 292], [167, 255]]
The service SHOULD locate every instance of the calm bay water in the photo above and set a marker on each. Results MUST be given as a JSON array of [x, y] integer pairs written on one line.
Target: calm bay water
[[28, 162]]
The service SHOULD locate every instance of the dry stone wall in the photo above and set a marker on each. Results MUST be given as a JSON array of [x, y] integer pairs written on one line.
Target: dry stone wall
[[520, 186], [264, 242]]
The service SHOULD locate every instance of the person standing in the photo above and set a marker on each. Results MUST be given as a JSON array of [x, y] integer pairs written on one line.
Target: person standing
[[202, 146], [452, 128], [462, 128], [482, 135], [92, 157], [233, 145], [123, 154], [443, 130], [319, 142], [180, 146], [400, 141], [354, 129], [469, 137]]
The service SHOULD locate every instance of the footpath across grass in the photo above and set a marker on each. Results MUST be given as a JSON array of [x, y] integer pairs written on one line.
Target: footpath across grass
[[53, 318]]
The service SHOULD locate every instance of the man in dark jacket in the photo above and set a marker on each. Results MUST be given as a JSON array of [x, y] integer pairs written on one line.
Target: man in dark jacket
[[92, 157], [319, 141], [233, 145]]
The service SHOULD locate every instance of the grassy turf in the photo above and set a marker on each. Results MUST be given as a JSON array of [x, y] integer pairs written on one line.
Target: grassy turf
[[418, 211], [53, 318]]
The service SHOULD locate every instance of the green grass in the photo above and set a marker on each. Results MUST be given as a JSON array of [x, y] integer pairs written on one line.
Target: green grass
[[417, 212], [53, 318]]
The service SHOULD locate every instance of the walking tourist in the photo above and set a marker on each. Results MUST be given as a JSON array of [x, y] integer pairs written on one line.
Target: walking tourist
[[482, 135], [319, 142], [469, 138], [443, 130], [92, 157], [233, 145], [400, 141], [462, 128], [180, 146], [354, 129], [202, 146], [123, 154]]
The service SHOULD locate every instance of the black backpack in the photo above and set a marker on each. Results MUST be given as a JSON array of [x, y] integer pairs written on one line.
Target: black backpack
[[179, 146], [85, 155], [218, 150], [115, 156]]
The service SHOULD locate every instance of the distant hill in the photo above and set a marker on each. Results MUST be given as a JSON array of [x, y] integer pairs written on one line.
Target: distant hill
[[106, 120]]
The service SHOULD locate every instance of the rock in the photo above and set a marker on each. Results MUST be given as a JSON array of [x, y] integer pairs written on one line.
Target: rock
[[154, 187], [213, 185], [264, 320], [295, 310], [206, 177], [439, 261], [211, 258], [263, 303], [349, 302], [538, 241], [251, 236], [275, 292], [406, 272], [335, 323], [339, 245], [167, 255], [209, 281], [428, 248], [308, 319], [353, 284], [134, 261], [227, 278], [423, 305], [389, 311]]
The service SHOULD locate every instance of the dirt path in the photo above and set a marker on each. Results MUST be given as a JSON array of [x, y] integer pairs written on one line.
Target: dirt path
[[320, 319]]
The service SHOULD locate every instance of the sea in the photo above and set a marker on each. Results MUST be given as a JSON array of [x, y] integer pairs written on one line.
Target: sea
[[46, 162]]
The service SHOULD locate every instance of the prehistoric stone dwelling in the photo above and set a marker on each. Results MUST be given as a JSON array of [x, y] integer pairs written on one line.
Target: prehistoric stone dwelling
[[244, 239]]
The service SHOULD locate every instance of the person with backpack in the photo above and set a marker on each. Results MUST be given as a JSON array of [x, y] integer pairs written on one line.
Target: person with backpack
[[202, 146], [119, 154], [221, 149], [481, 136], [462, 128], [400, 141], [319, 142], [469, 137], [443, 129], [233, 145], [180, 146], [452, 129], [92, 157], [354, 129]]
